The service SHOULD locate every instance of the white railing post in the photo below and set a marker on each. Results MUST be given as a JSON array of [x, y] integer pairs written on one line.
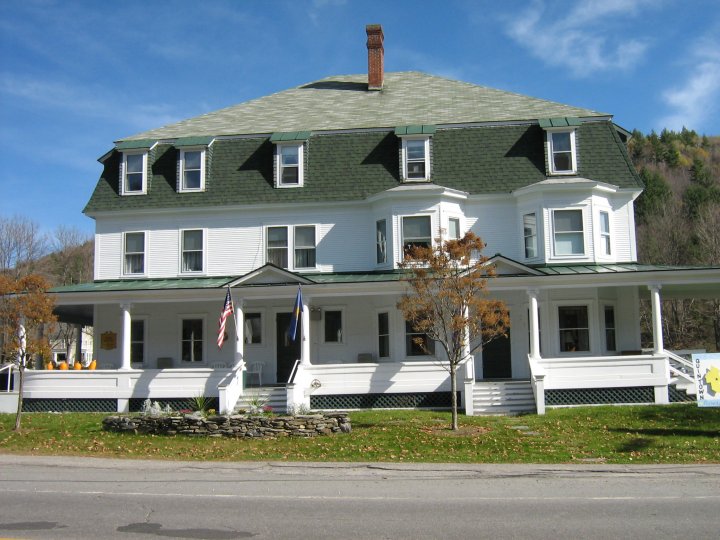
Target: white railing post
[[658, 345], [125, 337], [539, 391]]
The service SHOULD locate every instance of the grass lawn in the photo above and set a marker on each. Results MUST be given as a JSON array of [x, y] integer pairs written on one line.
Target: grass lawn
[[638, 434]]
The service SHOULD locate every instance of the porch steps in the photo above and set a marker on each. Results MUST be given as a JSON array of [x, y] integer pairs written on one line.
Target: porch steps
[[503, 397], [261, 396]]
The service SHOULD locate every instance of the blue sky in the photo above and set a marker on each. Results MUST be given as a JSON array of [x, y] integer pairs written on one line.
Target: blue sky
[[77, 75]]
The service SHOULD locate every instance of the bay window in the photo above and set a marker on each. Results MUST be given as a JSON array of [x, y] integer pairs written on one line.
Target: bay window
[[569, 238]]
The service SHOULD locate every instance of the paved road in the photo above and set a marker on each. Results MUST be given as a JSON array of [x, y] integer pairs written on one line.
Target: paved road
[[92, 498]]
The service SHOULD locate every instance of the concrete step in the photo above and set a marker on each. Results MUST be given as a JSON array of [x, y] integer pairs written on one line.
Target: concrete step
[[275, 397]]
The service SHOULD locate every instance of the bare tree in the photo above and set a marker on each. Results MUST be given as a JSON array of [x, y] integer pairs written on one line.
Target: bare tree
[[447, 303], [71, 260], [21, 245]]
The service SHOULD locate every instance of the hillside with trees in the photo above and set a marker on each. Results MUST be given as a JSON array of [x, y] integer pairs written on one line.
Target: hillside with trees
[[678, 223]]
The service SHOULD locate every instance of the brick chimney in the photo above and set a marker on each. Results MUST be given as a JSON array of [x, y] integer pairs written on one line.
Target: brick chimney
[[376, 56]]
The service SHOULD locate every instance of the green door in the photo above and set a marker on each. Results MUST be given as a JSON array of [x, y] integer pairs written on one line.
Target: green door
[[287, 350], [497, 359]]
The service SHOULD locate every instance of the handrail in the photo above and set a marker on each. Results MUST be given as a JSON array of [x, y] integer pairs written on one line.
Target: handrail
[[291, 379], [679, 359], [9, 368]]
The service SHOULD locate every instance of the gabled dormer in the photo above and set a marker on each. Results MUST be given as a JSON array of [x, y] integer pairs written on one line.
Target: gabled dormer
[[289, 166], [134, 166], [415, 152], [561, 145]]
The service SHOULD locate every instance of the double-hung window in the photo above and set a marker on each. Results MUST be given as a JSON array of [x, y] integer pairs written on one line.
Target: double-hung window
[[561, 150], [574, 327], [253, 328], [417, 343], [605, 248], [569, 237], [192, 170], [454, 229], [530, 235], [383, 334], [416, 231], [290, 165], [609, 316], [416, 159], [192, 250], [134, 262], [381, 241], [191, 342], [333, 326], [134, 175], [305, 246], [137, 341]]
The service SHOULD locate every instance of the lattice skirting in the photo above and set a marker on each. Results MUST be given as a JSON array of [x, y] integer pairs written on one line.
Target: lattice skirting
[[69, 405], [597, 396], [176, 404], [679, 396], [439, 400]]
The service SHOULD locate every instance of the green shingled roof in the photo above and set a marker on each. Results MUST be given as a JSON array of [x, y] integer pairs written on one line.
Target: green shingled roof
[[344, 102], [353, 166]]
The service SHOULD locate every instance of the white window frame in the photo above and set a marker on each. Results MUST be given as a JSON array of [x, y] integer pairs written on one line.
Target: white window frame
[[388, 311], [426, 140], [551, 151], [459, 221], [589, 305], [189, 317], [123, 176], [125, 253], [402, 230], [291, 245], [378, 248], [535, 236], [144, 320], [279, 167], [416, 357], [288, 234], [203, 252], [604, 247], [260, 312], [181, 170], [341, 339], [555, 233]]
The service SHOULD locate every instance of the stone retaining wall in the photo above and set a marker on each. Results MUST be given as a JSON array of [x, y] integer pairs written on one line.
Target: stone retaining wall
[[238, 425]]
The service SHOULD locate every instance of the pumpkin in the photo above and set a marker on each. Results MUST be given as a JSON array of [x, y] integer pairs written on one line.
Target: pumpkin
[[63, 366], [77, 365], [92, 364], [50, 366]]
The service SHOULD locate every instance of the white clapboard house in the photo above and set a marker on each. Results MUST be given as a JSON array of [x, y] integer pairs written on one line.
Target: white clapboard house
[[322, 186]]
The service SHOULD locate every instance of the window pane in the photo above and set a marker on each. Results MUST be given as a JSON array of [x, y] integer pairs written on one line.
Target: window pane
[[278, 257], [568, 220], [574, 329], [191, 180], [134, 163], [134, 182], [289, 155], [135, 243], [416, 227], [454, 228], [381, 241], [192, 240], [253, 328], [305, 258], [135, 264], [530, 233], [305, 237], [192, 160], [137, 330], [562, 161], [383, 323], [610, 328], [417, 343], [192, 261], [333, 326], [569, 244], [192, 337], [277, 237], [290, 175], [416, 169], [415, 150], [605, 222], [561, 142]]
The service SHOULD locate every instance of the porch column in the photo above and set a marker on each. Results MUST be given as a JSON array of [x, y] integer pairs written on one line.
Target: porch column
[[125, 337], [534, 323], [239, 332], [78, 343], [305, 331], [658, 345]]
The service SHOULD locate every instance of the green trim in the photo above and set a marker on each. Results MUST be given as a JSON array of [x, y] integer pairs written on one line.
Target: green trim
[[290, 136], [569, 269], [145, 284], [415, 130], [193, 141], [133, 145], [565, 121]]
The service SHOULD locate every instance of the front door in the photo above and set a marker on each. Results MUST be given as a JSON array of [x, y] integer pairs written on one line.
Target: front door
[[497, 359], [287, 350]]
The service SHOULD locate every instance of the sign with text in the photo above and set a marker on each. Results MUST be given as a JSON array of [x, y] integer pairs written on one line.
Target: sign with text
[[707, 379], [108, 341]]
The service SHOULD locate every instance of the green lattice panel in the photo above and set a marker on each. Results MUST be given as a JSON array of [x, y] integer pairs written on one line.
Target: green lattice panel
[[69, 405], [679, 396], [598, 396], [383, 401]]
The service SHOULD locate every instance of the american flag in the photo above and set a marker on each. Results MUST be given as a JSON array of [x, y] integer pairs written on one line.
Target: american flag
[[224, 314]]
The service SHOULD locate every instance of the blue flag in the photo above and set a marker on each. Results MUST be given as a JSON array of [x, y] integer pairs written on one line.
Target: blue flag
[[297, 310]]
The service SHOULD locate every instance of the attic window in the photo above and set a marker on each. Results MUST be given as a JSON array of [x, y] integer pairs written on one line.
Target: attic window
[[134, 176], [192, 169], [289, 158], [562, 156], [415, 152]]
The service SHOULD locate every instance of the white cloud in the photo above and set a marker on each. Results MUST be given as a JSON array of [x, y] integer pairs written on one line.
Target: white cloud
[[580, 39], [693, 102]]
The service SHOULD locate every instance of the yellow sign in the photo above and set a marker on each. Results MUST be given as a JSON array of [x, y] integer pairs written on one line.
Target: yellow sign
[[108, 341]]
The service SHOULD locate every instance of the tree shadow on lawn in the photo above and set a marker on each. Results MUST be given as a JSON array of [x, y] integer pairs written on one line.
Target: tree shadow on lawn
[[672, 432]]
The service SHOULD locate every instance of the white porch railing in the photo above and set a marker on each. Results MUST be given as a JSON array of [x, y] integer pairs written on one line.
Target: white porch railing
[[231, 388], [682, 372], [7, 369], [599, 372]]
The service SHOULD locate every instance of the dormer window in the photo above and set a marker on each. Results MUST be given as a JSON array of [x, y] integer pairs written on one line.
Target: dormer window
[[134, 175], [192, 169], [289, 158], [562, 155], [415, 152]]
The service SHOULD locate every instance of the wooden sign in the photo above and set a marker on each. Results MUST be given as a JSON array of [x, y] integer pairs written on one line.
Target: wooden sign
[[108, 341]]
